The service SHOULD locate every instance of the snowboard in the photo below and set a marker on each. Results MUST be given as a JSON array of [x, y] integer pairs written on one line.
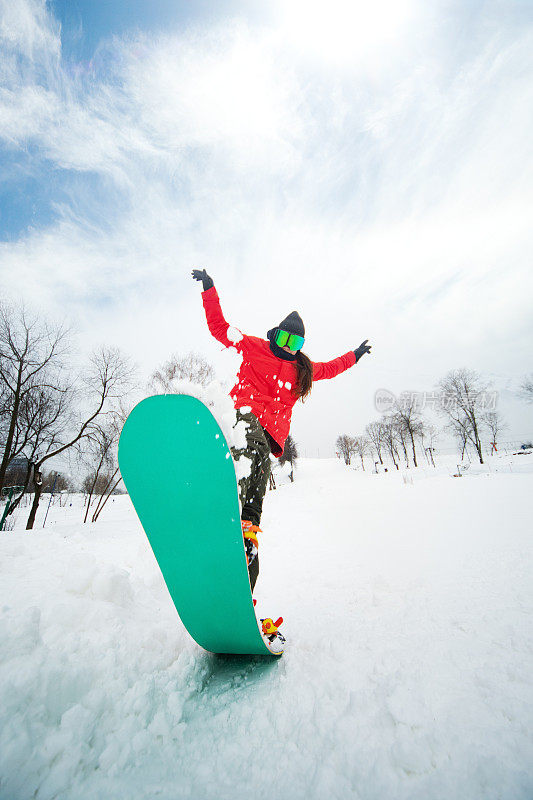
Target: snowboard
[[180, 476]]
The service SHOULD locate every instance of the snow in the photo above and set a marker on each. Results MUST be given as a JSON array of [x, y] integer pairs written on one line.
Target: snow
[[215, 395], [408, 670], [234, 335]]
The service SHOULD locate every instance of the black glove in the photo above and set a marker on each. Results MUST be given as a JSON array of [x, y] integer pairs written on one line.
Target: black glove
[[361, 350], [201, 275]]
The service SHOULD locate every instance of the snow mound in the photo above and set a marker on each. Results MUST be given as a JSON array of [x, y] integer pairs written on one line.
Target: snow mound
[[408, 670]]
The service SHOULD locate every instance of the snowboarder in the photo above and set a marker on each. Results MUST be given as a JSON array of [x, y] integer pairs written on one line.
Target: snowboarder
[[273, 376]]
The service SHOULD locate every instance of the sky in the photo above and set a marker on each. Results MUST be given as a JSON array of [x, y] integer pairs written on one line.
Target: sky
[[368, 165]]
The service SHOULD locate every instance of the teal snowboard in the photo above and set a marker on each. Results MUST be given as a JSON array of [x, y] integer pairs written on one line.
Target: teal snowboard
[[180, 476]]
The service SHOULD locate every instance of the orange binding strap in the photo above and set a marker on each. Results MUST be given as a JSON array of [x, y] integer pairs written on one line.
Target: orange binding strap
[[250, 531]]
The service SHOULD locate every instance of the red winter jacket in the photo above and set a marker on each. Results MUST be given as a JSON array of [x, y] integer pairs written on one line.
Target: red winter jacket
[[266, 383]]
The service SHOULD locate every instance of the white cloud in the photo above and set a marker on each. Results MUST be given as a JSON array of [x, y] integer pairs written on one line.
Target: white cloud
[[345, 32], [393, 206], [29, 31]]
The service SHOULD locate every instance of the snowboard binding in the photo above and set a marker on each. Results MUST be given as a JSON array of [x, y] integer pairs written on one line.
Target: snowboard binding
[[271, 632], [251, 543]]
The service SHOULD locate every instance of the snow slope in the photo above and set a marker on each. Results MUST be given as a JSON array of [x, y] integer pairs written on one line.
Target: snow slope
[[408, 672]]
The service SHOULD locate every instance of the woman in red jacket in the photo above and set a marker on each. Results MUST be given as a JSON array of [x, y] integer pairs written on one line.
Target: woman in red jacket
[[273, 376]]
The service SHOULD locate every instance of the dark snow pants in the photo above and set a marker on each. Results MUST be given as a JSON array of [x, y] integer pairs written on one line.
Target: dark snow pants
[[252, 488]]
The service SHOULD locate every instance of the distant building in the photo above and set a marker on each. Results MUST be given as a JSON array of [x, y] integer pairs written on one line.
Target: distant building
[[16, 471]]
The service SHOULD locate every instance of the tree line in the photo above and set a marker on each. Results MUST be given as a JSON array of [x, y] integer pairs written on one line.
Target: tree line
[[462, 398], [50, 406]]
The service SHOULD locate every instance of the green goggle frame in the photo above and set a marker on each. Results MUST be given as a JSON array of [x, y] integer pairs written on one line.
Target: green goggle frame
[[290, 340]]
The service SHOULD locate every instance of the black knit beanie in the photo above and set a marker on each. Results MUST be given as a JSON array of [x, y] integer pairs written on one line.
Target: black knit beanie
[[293, 324]]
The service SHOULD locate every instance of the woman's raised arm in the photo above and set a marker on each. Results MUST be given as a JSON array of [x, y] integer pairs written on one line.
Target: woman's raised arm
[[218, 327]]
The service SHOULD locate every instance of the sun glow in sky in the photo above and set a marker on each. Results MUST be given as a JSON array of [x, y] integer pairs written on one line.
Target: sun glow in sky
[[344, 31]]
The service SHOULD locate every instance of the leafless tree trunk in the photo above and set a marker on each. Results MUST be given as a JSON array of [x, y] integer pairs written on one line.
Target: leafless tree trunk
[[429, 438], [459, 430], [430, 435], [390, 438], [101, 440], [494, 422], [409, 420], [345, 445], [104, 497], [31, 361], [526, 388], [464, 396], [400, 431], [362, 446], [42, 418], [374, 431], [106, 380]]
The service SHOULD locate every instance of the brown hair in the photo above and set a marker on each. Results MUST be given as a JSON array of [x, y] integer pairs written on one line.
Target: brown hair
[[305, 375]]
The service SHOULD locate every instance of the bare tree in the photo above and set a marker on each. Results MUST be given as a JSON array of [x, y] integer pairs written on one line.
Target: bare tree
[[401, 434], [55, 480], [429, 439], [110, 489], [191, 367], [112, 478], [494, 422], [99, 447], [390, 438], [93, 485], [431, 434], [409, 422], [345, 445], [464, 394], [43, 418], [526, 388], [374, 432], [106, 380], [289, 455], [31, 362], [362, 447], [459, 429], [40, 399]]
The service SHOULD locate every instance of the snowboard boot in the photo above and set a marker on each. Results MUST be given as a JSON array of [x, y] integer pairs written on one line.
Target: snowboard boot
[[250, 531], [270, 631]]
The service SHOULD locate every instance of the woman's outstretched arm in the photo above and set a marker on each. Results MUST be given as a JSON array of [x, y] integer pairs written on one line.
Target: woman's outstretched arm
[[323, 370], [330, 369], [218, 327]]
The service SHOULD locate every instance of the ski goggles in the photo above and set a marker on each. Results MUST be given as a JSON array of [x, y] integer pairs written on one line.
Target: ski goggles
[[290, 340]]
